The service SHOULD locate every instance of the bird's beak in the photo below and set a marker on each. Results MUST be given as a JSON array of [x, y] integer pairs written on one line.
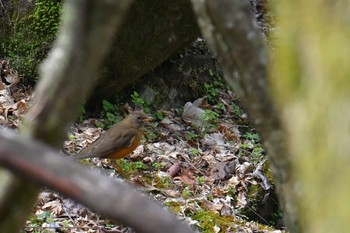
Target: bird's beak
[[148, 119]]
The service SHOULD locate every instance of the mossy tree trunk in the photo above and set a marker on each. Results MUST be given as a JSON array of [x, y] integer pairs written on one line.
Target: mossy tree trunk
[[310, 76], [302, 111], [233, 33]]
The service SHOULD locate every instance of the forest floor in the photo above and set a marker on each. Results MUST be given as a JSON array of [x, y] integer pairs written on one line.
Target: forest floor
[[204, 162]]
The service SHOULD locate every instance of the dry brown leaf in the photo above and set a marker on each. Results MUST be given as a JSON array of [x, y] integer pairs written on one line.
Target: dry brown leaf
[[215, 207], [171, 193], [229, 134], [186, 176], [245, 168], [21, 106], [241, 200], [192, 113], [55, 207]]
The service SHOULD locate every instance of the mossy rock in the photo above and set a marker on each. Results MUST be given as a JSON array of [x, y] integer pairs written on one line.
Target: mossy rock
[[180, 79], [28, 30], [263, 206]]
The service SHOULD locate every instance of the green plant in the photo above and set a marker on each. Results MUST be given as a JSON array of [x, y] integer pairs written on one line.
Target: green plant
[[81, 114], [71, 137], [236, 109], [174, 206], [29, 37], [140, 165], [211, 92], [194, 151], [191, 136], [208, 120], [231, 192], [208, 220], [110, 114], [38, 220], [209, 116], [108, 106], [46, 17], [150, 135], [246, 146], [251, 136], [159, 115], [200, 179], [186, 193], [221, 107], [257, 153], [162, 182], [140, 102], [65, 223], [158, 165], [125, 165], [129, 167], [210, 197], [275, 217]]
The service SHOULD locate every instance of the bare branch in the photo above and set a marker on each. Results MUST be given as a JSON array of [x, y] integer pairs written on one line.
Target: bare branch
[[37, 162]]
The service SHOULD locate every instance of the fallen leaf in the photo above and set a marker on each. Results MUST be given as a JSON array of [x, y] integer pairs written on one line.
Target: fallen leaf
[[55, 207], [192, 113], [187, 176], [241, 200], [171, 193]]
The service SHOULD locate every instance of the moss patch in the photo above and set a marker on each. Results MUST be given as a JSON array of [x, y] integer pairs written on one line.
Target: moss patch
[[208, 220], [29, 36]]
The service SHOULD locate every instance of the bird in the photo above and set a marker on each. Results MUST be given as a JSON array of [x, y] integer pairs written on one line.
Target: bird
[[120, 140]]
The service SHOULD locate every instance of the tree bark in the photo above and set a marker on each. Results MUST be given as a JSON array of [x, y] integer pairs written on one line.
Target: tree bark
[[310, 79], [232, 32], [67, 76]]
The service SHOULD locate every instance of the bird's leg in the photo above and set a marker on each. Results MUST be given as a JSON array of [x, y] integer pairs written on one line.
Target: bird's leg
[[117, 167]]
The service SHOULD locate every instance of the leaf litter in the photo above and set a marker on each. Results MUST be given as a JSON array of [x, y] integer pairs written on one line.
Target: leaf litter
[[193, 166]]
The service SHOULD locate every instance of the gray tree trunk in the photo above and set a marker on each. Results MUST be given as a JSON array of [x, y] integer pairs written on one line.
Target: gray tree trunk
[[232, 32]]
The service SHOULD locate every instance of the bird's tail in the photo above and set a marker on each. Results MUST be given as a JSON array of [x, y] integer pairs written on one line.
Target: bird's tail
[[81, 155]]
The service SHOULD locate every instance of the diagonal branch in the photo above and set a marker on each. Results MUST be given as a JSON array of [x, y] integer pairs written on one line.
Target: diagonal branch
[[38, 163], [67, 76]]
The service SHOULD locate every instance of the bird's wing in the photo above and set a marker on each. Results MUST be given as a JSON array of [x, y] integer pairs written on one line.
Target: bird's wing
[[108, 143]]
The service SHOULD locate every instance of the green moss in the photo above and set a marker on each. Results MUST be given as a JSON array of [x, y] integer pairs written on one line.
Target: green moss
[[266, 170], [208, 220], [259, 209], [255, 192], [29, 37], [174, 206], [162, 182], [186, 193], [129, 167]]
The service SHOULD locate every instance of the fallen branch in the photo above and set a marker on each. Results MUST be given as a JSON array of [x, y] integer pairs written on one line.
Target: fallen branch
[[37, 162]]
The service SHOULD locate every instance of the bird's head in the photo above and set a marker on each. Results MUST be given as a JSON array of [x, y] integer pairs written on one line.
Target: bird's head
[[137, 119]]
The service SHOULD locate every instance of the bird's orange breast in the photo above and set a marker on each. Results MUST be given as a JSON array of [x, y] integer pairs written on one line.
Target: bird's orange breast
[[127, 150]]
